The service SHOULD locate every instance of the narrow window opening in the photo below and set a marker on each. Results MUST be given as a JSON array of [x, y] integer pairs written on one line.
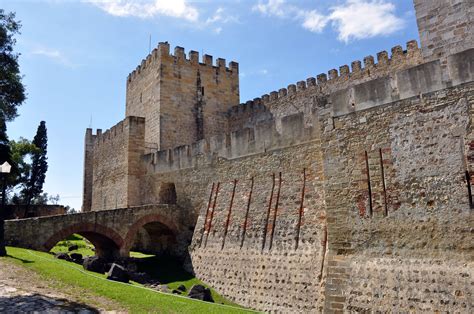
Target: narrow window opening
[[469, 188], [202, 90]]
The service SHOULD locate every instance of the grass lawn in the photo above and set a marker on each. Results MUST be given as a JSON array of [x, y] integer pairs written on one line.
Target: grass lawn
[[166, 271], [133, 297]]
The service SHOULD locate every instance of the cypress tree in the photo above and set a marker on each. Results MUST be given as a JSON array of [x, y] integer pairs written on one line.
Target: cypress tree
[[39, 165]]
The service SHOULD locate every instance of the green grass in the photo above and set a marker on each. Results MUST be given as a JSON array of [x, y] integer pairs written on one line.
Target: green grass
[[131, 296], [166, 270]]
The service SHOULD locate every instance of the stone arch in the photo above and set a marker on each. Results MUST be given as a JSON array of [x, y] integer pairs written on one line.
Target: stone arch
[[164, 225], [106, 241], [167, 194]]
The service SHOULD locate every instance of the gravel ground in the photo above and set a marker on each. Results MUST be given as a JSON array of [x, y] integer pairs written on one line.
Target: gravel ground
[[23, 291]]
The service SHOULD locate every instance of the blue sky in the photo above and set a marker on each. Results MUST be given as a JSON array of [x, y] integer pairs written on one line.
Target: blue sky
[[76, 55]]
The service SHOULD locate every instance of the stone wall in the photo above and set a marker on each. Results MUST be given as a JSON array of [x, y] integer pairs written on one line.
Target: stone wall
[[116, 164], [112, 232], [89, 140], [392, 188], [181, 99], [398, 202], [22, 211], [445, 27]]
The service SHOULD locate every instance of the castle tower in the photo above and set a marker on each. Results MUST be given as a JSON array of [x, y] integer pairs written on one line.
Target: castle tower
[[445, 26], [181, 99]]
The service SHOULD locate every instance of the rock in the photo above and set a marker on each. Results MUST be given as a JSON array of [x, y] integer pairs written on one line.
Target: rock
[[200, 292], [118, 273], [139, 277], [95, 264], [73, 247], [77, 258], [182, 288], [63, 256]]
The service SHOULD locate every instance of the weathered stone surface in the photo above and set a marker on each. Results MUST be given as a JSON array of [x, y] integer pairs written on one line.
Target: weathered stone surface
[[118, 273], [200, 292], [63, 256], [77, 258], [95, 264]]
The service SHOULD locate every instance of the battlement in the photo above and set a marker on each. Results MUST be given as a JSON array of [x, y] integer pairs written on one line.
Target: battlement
[[259, 139], [116, 131], [162, 52], [347, 76]]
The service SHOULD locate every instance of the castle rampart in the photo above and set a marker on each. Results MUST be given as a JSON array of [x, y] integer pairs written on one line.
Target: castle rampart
[[347, 192]]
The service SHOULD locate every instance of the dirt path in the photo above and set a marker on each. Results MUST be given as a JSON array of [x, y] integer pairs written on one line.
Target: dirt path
[[22, 291]]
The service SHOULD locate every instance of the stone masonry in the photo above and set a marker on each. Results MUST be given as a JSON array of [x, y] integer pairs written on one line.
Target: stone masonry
[[348, 192]]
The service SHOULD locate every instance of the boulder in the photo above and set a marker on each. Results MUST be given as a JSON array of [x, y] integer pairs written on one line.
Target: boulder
[[139, 277], [95, 264], [63, 256], [118, 273], [77, 258], [200, 292], [73, 247], [182, 288]]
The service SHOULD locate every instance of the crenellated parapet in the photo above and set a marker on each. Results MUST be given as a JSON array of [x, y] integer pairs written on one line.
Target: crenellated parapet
[[359, 71], [261, 138], [117, 131], [179, 57]]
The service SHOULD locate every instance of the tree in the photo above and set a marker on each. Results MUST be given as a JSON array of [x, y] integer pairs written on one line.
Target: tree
[[12, 92], [39, 166]]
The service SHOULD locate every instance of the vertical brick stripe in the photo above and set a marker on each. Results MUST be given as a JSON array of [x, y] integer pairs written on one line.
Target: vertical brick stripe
[[247, 214], [269, 208], [228, 214], [300, 213], [207, 214], [369, 187], [212, 213], [275, 211]]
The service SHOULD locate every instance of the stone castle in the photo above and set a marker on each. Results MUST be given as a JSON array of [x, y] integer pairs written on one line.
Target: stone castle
[[346, 192]]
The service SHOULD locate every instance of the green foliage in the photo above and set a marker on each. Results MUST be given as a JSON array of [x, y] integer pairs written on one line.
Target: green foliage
[[71, 277], [21, 152], [39, 165], [12, 91]]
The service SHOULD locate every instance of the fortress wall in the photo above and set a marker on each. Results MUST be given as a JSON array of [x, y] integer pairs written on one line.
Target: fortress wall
[[305, 95], [288, 117], [399, 218], [115, 162], [259, 234], [89, 140]]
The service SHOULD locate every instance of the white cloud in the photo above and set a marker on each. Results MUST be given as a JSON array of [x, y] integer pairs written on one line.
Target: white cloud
[[220, 17], [271, 8], [54, 55], [148, 9], [355, 19], [359, 19], [313, 21]]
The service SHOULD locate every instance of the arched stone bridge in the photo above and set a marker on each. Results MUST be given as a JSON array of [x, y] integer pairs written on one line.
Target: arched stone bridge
[[112, 232]]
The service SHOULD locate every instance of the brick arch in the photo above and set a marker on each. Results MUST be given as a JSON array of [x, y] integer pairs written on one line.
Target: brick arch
[[91, 231], [132, 232]]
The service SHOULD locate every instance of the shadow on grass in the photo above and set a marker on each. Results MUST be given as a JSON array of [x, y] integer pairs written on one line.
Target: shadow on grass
[[38, 303], [164, 269], [24, 261]]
